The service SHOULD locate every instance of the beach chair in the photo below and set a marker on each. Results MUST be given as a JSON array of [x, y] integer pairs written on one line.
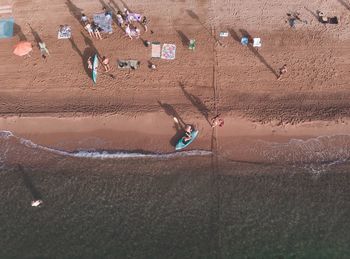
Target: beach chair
[[256, 42]]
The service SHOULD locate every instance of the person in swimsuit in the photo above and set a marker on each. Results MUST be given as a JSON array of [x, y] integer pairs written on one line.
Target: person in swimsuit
[[96, 30], [105, 63], [88, 27], [89, 62], [188, 136]]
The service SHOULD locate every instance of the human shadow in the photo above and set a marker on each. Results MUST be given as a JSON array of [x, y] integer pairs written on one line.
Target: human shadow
[[17, 31], [35, 35], [201, 107], [343, 3], [126, 6], [179, 133], [89, 43], [313, 14], [74, 10], [115, 5], [256, 52], [169, 110], [88, 52], [234, 35], [185, 41], [178, 126], [194, 16], [29, 184]]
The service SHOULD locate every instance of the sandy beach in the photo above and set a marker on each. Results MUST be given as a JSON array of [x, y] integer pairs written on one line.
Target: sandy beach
[[272, 182]]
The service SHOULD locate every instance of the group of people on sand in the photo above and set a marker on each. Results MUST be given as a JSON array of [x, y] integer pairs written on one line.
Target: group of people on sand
[[126, 20], [91, 27], [104, 60]]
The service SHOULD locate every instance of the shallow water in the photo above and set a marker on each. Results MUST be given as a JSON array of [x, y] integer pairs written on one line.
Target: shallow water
[[172, 206]]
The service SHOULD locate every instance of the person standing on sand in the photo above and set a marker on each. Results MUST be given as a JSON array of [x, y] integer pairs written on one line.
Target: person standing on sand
[[283, 70], [105, 63], [89, 29], [96, 30], [89, 62]]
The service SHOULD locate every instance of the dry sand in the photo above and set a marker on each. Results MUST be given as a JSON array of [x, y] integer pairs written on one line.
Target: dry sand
[[218, 77]]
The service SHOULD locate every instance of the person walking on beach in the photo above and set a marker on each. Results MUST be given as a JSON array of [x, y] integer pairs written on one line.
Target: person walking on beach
[[217, 121], [282, 71], [105, 63]]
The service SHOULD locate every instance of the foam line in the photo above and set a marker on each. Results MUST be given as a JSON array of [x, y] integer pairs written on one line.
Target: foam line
[[105, 154]]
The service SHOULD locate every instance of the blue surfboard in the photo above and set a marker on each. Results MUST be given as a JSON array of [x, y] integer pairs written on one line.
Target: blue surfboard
[[181, 144], [94, 68]]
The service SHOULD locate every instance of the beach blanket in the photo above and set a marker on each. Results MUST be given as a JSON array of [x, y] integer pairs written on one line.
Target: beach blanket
[[155, 49], [6, 28], [104, 22], [64, 32], [128, 64], [168, 51]]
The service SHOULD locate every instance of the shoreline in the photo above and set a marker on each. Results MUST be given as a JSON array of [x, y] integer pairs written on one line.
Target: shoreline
[[157, 132]]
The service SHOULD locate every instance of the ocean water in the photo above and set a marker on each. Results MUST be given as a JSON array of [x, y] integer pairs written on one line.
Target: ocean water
[[191, 204]]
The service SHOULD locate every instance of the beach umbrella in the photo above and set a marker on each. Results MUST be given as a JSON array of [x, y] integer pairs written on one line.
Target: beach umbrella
[[22, 48]]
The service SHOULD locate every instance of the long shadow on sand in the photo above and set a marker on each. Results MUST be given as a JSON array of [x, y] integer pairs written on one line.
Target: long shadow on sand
[[35, 35], [88, 52], [17, 30], [256, 52], [74, 10], [29, 184], [201, 107], [194, 16], [234, 35], [114, 4], [184, 39], [88, 42], [179, 127], [345, 4]]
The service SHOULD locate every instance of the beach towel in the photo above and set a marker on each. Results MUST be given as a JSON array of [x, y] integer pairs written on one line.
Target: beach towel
[[104, 22], [6, 28], [128, 64], [64, 32], [168, 51], [155, 49]]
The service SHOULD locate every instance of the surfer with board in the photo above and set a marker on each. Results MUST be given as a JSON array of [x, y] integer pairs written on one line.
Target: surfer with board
[[189, 136]]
